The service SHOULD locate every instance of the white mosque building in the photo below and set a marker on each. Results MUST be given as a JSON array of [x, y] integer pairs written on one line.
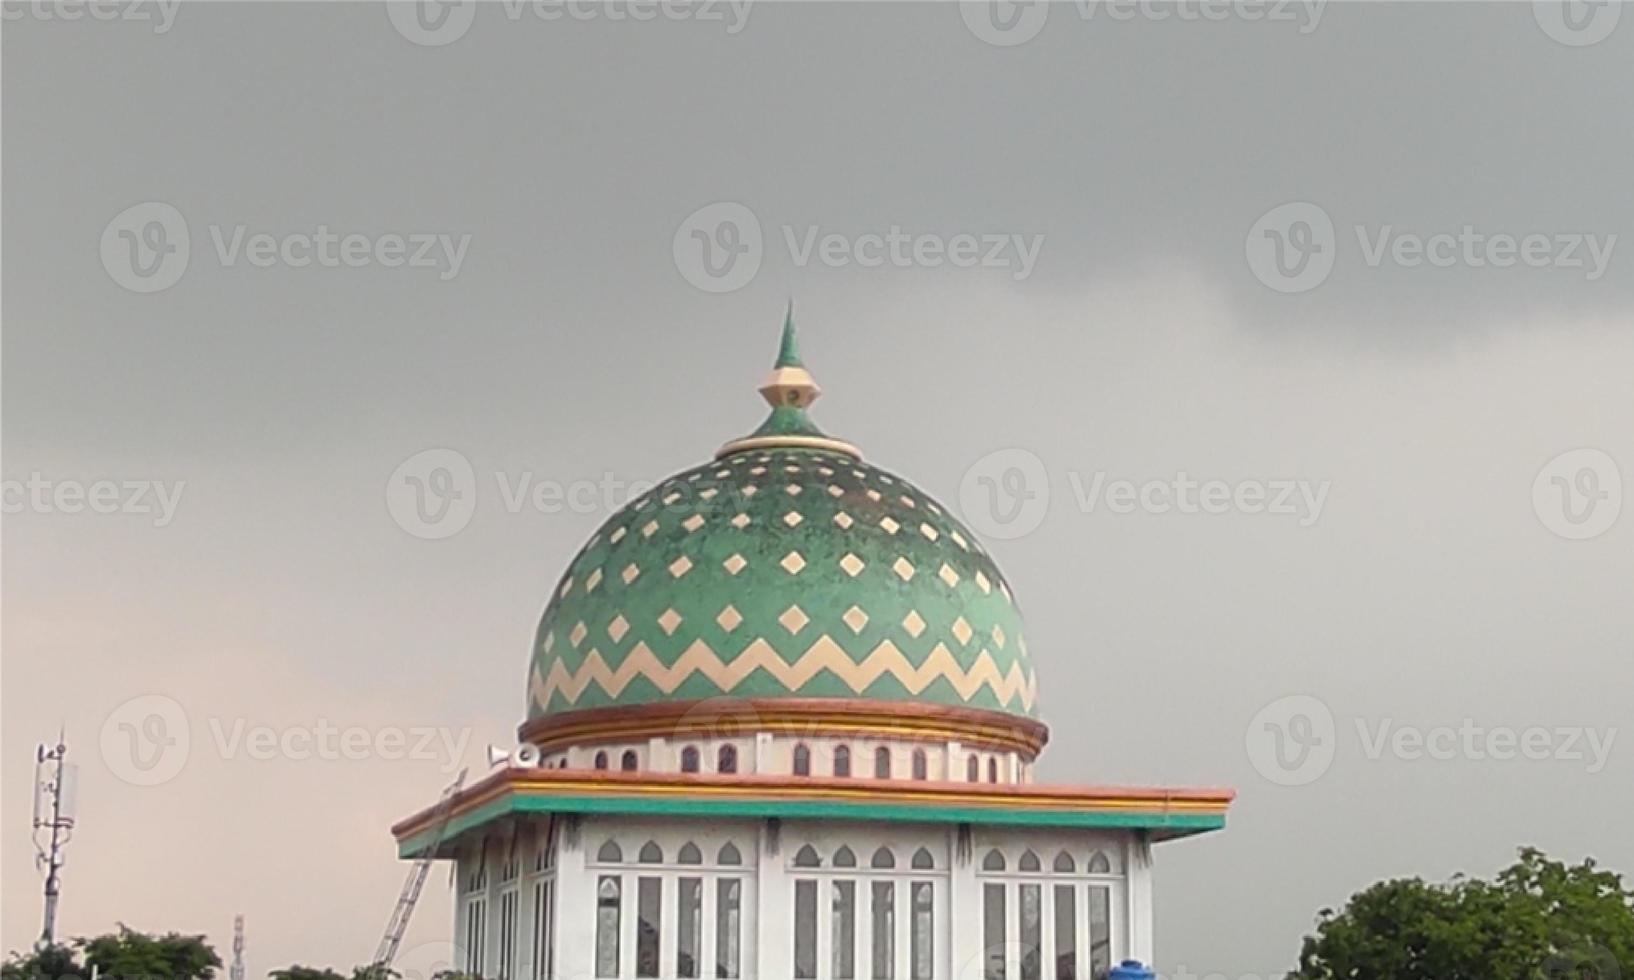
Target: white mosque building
[[781, 726]]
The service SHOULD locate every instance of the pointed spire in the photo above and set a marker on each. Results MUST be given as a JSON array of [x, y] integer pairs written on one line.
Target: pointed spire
[[789, 390], [788, 353]]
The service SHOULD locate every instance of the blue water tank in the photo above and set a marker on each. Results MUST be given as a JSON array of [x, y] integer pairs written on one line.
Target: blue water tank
[[1131, 970]]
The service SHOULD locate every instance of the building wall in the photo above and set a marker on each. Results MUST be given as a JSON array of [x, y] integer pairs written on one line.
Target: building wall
[[910, 902], [776, 754]]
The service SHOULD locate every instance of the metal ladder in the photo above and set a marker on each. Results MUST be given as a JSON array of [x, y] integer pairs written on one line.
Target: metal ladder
[[398, 924]]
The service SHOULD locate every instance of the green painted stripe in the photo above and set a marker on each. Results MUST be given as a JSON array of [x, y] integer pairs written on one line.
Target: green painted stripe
[[1178, 824]]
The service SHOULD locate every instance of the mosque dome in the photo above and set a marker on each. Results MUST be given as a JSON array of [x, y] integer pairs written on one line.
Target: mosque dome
[[785, 570]]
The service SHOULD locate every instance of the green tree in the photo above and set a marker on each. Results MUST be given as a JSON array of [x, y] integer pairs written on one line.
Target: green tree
[[133, 955], [50, 963], [1536, 920]]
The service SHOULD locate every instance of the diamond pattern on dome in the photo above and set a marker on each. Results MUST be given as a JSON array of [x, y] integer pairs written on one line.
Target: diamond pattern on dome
[[794, 580], [669, 621], [794, 619], [914, 624], [855, 618]]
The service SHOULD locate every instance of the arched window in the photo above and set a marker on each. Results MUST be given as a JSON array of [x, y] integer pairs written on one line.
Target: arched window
[[1028, 862], [802, 760], [921, 764], [994, 861], [883, 858], [1099, 865], [922, 860], [973, 770], [689, 759], [992, 769], [601, 760], [845, 858], [651, 853], [627, 762], [842, 761], [729, 855], [1065, 864], [882, 763], [690, 854], [807, 857], [726, 760], [610, 853]]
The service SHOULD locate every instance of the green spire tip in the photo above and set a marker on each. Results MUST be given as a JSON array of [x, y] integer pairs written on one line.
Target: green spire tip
[[788, 354]]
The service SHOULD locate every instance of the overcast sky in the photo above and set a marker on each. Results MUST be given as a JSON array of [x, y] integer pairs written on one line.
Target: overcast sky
[[1081, 262]]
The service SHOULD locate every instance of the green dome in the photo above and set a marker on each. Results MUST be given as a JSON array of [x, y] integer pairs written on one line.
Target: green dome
[[785, 568]]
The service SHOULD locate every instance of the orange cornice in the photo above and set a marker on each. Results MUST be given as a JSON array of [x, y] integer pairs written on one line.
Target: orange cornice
[[519, 781]]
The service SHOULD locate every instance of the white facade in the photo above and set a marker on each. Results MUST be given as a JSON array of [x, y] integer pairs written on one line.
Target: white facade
[[623, 898]]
